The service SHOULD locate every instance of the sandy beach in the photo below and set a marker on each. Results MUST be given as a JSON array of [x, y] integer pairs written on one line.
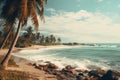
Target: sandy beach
[[50, 72], [24, 65]]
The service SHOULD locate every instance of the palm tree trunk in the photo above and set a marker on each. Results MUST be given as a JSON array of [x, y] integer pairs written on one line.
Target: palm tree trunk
[[5, 39], [4, 63]]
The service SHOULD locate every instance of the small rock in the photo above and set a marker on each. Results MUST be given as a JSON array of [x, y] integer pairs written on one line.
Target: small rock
[[35, 64], [64, 69], [108, 76], [94, 74], [68, 67], [73, 71], [52, 66], [80, 76]]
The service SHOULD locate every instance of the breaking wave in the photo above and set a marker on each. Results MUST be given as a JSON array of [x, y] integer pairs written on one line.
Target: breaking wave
[[44, 55]]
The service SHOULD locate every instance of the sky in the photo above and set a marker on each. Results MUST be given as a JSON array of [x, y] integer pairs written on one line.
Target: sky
[[83, 20]]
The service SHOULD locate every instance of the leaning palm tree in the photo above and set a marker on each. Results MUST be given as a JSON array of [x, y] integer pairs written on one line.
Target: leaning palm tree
[[19, 11], [8, 30], [7, 35]]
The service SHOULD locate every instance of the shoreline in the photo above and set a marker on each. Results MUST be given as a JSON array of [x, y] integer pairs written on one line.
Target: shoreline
[[55, 60], [25, 65], [45, 59], [69, 72], [35, 47], [37, 69]]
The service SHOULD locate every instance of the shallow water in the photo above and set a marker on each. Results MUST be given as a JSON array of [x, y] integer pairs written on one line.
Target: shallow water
[[104, 56]]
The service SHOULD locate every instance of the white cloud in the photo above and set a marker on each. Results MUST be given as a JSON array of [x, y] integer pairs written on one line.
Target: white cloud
[[82, 26], [99, 0], [50, 9], [78, 5], [78, 0], [119, 6]]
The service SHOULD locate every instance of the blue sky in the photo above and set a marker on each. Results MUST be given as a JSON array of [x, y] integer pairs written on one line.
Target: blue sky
[[83, 20]]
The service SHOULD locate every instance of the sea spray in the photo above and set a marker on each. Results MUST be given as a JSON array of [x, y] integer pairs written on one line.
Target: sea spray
[[80, 57]]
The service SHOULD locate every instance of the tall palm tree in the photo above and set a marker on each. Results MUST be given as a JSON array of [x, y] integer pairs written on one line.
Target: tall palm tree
[[0, 33], [59, 40], [6, 23], [7, 35], [20, 10]]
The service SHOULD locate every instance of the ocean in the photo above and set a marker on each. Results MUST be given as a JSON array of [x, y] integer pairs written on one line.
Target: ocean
[[100, 56]]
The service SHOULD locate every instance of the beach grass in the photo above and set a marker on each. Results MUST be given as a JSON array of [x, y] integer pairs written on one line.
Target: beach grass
[[13, 75], [11, 62], [10, 74]]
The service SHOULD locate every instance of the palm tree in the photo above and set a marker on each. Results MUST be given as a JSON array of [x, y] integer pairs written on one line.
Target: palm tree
[[47, 40], [54, 40], [0, 33], [42, 39], [29, 34], [20, 10], [29, 30], [51, 38], [7, 35], [8, 30], [59, 40]]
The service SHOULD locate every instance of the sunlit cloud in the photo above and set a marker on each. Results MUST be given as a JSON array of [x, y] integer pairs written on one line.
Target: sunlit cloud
[[119, 6], [99, 0], [78, 0], [82, 26]]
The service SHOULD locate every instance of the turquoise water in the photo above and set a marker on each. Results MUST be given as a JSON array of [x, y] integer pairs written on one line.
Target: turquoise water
[[103, 56]]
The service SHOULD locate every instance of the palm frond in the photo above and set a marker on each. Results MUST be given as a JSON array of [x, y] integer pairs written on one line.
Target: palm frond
[[34, 17], [9, 11], [40, 13], [40, 9], [46, 1], [23, 10], [1, 1]]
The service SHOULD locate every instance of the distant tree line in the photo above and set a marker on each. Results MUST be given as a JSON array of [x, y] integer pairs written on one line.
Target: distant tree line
[[29, 38]]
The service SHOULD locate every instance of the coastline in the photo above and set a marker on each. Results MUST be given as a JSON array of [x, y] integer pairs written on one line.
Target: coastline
[[35, 47], [25, 65], [38, 70]]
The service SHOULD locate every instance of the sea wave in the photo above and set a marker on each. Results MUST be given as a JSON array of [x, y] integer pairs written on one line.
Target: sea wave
[[103, 45], [107, 46], [42, 56]]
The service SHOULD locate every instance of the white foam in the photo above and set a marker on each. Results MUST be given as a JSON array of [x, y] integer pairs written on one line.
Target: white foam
[[107, 46], [41, 55]]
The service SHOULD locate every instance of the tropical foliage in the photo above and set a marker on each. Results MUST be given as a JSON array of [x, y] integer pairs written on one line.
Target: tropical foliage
[[29, 38], [17, 12]]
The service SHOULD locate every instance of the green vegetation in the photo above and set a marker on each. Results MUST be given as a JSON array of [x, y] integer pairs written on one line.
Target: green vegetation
[[29, 38], [71, 43], [17, 12]]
